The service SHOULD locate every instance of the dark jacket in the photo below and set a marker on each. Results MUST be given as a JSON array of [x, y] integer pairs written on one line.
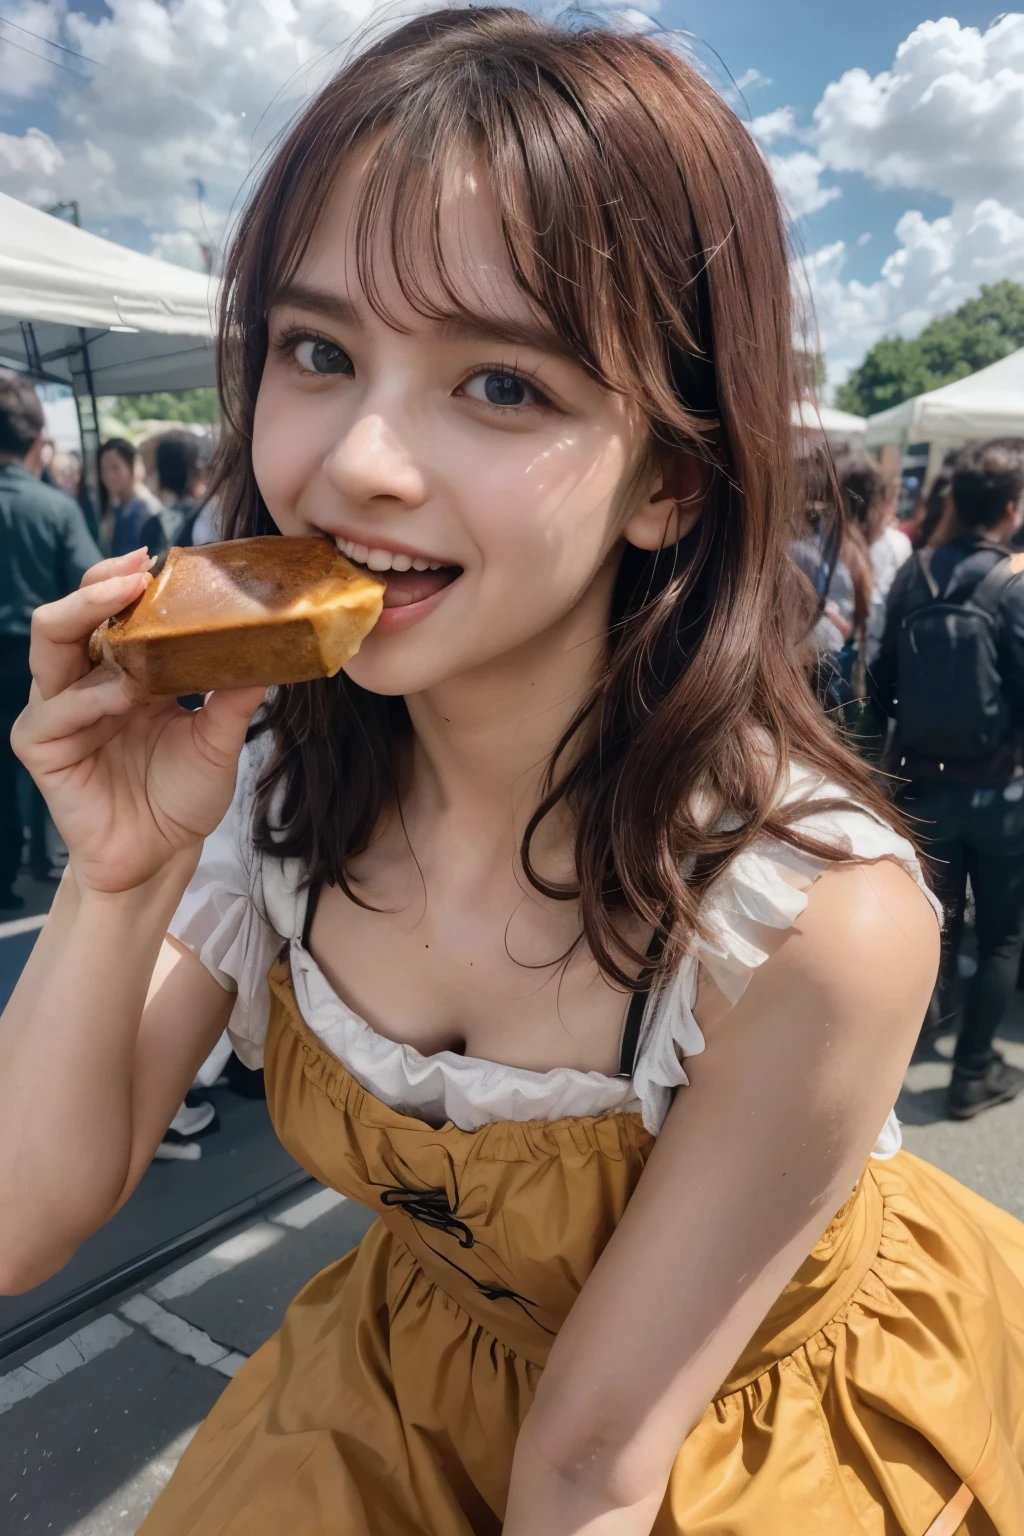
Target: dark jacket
[[129, 520], [170, 526], [45, 547], [958, 568]]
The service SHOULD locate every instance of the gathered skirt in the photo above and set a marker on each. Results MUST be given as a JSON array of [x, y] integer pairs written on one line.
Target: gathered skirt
[[884, 1388]]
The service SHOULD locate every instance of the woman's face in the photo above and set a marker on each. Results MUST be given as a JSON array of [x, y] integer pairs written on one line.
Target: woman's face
[[117, 476], [477, 467]]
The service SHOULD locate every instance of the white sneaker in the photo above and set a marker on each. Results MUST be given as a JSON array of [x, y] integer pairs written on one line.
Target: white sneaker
[[191, 1120]]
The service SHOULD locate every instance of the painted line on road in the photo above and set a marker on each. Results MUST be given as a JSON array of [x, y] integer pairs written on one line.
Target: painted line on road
[[185, 1339], [244, 1246], [18, 925], [236, 1250], [304, 1212], [56, 1363], [145, 1310]]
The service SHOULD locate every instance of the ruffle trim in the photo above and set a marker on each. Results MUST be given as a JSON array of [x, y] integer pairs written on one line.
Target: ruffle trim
[[445, 1087], [764, 888], [221, 919]]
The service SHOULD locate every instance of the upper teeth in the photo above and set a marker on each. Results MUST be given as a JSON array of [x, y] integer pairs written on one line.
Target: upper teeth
[[383, 559]]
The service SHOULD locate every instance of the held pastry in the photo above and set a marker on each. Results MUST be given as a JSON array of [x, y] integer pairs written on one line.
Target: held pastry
[[246, 613]]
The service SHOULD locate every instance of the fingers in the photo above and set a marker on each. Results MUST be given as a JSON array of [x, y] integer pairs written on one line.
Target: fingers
[[221, 724], [119, 565], [59, 653], [63, 719]]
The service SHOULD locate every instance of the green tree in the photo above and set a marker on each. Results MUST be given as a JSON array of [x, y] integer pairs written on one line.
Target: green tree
[[811, 374], [980, 332], [188, 405]]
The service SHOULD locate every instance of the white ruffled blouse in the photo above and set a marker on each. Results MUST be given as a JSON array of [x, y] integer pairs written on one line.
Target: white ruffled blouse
[[241, 907]]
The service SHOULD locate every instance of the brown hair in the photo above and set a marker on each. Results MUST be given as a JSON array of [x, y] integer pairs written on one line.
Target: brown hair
[[987, 478], [21, 416], [862, 495], [641, 220]]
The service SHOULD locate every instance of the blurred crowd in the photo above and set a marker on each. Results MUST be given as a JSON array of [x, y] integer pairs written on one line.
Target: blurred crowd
[[918, 649], [51, 532], [153, 492]]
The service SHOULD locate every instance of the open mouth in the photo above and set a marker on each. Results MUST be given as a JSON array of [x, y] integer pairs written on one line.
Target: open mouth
[[407, 580]]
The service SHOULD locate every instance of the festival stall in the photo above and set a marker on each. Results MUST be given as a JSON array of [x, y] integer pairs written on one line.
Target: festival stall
[[79, 310], [989, 403], [839, 428]]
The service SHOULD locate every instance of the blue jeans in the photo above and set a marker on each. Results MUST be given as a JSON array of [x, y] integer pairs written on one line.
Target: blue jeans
[[977, 832]]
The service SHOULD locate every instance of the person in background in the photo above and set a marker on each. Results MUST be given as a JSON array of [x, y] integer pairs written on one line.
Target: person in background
[[176, 475], [932, 526], [834, 558], [45, 549], [127, 504], [869, 505], [66, 473], [950, 671]]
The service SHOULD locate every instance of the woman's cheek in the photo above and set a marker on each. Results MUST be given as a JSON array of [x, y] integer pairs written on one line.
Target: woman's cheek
[[278, 462]]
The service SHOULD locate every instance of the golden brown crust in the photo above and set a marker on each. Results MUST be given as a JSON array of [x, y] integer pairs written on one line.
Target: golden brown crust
[[247, 613]]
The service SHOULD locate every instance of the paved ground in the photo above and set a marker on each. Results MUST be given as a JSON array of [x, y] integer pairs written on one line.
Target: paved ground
[[93, 1423], [986, 1153]]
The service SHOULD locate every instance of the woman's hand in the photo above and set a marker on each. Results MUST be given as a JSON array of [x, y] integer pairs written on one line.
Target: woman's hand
[[129, 785]]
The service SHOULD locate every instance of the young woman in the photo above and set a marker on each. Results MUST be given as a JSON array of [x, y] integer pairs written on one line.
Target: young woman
[[508, 318], [126, 503], [869, 503]]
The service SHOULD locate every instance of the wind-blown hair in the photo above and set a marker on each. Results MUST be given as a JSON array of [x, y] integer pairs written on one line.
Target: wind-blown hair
[[640, 219]]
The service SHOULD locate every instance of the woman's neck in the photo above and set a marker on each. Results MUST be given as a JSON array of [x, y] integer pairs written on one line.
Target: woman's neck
[[483, 741]]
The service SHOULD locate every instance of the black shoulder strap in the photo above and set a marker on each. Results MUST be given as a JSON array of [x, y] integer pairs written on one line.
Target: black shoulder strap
[[636, 1010], [312, 897], [988, 594]]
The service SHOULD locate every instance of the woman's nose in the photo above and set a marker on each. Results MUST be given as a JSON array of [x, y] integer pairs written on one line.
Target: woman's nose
[[370, 463]]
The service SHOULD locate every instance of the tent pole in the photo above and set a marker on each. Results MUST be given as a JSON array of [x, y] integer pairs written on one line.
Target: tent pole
[[89, 428]]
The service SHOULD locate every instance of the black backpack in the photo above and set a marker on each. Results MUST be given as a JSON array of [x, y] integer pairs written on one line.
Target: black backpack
[[951, 703]]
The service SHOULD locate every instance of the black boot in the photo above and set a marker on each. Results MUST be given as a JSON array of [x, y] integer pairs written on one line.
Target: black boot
[[970, 1093]]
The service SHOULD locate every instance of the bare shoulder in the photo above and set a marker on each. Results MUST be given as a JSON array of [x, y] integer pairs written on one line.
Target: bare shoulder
[[867, 935]]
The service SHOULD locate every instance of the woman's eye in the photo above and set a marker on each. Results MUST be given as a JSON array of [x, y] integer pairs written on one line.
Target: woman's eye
[[318, 356], [501, 389]]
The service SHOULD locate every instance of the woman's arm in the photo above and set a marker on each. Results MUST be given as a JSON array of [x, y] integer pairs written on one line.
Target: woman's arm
[[108, 1023], [107, 1027], [755, 1158]]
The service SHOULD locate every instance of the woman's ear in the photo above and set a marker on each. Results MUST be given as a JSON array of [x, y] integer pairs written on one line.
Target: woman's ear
[[677, 486]]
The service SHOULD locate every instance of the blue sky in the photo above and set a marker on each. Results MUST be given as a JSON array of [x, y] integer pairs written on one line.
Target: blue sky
[[798, 48], [895, 130]]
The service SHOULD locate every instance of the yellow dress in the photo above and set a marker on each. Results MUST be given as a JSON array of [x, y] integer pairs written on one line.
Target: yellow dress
[[882, 1396]]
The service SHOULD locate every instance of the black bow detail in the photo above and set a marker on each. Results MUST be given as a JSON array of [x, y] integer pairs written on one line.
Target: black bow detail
[[431, 1207]]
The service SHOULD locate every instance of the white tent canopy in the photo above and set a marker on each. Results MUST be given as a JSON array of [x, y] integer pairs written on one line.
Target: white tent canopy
[[835, 426], [989, 403], [149, 325]]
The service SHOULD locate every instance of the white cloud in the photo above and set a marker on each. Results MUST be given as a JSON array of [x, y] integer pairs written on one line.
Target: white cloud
[[28, 65], [937, 265], [798, 178], [947, 118], [179, 91], [751, 80], [780, 124], [179, 246]]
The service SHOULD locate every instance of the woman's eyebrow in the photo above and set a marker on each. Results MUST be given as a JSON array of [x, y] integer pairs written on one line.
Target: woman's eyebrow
[[461, 326], [332, 306], [520, 333]]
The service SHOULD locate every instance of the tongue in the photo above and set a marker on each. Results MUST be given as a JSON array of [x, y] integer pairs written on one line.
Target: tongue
[[404, 587]]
